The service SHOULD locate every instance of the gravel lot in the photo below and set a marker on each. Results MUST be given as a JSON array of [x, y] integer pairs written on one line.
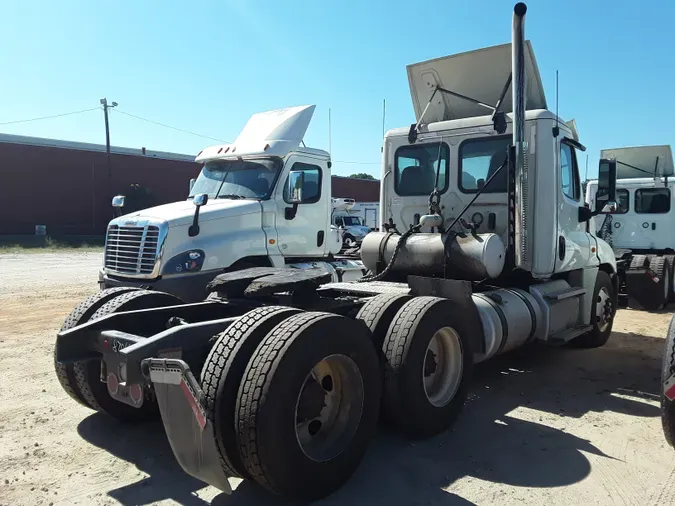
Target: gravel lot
[[543, 426]]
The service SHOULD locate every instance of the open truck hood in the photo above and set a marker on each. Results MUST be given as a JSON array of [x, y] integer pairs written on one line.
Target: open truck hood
[[479, 74], [271, 133], [653, 160]]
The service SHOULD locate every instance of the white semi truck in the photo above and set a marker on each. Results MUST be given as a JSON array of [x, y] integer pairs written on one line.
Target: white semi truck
[[641, 230], [349, 222], [238, 215], [281, 375]]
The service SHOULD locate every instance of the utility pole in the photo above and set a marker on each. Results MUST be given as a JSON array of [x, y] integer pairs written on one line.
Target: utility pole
[[329, 139], [104, 103]]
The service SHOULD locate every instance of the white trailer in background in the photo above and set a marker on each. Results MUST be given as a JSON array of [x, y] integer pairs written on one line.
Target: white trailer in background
[[642, 230]]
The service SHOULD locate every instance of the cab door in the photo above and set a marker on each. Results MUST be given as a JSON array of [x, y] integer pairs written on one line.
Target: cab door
[[302, 230], [573, 248]]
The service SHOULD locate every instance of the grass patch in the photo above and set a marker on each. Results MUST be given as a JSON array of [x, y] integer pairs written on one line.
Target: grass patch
[[36, 244]]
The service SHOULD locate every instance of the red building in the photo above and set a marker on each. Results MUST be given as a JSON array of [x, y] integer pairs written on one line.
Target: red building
[[68, 186]]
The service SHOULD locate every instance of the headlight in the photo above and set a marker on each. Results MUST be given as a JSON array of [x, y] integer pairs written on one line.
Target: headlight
[[188, 261]]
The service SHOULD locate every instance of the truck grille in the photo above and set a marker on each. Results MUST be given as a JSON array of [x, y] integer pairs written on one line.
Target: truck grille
[[131, 250]]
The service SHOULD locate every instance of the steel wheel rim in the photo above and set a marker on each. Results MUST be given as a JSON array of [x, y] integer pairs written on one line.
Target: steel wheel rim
[[443, 367], [349, 242], [603, 309], [323, 437]]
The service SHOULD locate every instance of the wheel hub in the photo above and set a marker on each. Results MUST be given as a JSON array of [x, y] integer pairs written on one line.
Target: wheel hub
[[329, 407], [443, 367], [603, 309]]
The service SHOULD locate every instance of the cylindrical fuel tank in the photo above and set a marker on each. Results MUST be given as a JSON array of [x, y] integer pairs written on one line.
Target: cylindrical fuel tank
[[469, 257], [509, 317]]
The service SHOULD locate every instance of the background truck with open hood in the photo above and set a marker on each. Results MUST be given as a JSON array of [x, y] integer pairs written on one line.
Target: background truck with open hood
[[641, 231], [239, 214], [281, 375]]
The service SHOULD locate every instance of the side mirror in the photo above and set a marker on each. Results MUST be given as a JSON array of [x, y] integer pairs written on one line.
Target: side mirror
[[118, 201], [296, 181], [605, 197], [192, 183], [201, 199], [198, 201]]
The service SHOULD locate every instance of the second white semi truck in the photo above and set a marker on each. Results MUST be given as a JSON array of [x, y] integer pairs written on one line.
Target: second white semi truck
[[641, 229]]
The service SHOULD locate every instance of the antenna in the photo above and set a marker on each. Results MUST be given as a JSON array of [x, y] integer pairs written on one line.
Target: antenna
[[329, 143], [586, 175], [384, 113], [556, 128]]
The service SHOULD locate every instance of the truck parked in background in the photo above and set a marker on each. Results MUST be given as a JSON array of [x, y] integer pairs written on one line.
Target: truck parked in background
[[350, 222], [641, 231], [238, 215]]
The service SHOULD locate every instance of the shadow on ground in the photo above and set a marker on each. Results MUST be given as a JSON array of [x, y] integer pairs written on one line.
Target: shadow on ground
[[488, 442]]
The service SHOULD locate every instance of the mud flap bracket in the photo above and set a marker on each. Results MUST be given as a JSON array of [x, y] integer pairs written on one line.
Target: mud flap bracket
[[189, 432]]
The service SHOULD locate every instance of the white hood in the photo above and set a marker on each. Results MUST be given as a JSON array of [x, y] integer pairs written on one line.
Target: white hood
[[271, 133], [480, 75], [182, 213]]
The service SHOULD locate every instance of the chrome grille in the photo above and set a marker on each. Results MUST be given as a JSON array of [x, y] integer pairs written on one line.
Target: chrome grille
[[131, 250]]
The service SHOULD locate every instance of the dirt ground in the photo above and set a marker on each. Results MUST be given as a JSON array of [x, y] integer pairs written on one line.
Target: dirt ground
[[543, 426]]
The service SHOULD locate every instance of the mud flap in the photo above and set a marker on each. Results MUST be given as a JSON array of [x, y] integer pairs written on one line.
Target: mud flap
[[643, 289], [189, 431], [669, 388]]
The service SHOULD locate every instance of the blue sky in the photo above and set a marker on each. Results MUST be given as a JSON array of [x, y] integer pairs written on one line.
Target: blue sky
[[207, 66]]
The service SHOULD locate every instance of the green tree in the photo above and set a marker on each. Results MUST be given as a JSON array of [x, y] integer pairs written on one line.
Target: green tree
[[362, 175]]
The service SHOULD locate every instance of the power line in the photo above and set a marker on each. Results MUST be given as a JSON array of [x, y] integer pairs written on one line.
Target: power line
[[167, 126], [358, 163], [49, 117]]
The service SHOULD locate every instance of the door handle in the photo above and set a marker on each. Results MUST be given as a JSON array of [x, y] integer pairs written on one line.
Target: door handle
[[653, 225], [561, 247]]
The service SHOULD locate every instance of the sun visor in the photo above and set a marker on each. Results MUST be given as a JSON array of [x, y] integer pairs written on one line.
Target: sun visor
[[271, 133], [641, 161], [480, 75]]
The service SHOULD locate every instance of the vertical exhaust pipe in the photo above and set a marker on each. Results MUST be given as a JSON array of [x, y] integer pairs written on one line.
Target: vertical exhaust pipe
[[522, 250]]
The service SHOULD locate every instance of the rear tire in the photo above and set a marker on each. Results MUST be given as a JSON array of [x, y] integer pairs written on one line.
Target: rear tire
[[379, 312], [88, 374], [601, 320], [222, 374], [671, 263], [81, 314], [668, 406], [308, 405], [428, 336], [661, 267]]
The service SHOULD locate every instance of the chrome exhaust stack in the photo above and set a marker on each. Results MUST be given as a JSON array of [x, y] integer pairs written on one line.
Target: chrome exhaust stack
[[523, 257]]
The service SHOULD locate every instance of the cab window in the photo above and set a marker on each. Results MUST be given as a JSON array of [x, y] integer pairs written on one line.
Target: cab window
[[479, 159], [311, 189], [622, 201], [569, 172], [415, 168], [652, 200]]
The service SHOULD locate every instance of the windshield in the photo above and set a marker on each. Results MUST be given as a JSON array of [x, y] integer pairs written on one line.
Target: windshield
[[238, 179], [351, 221]]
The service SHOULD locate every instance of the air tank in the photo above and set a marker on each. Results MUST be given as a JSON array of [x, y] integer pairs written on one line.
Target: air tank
[[467, 257]]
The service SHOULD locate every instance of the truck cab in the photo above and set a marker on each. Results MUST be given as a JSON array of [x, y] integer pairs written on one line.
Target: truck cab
[[238, 214], [457, 150]]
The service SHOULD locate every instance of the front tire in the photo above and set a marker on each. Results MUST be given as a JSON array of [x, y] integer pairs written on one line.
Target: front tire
[[668, 406], [603, 311]]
